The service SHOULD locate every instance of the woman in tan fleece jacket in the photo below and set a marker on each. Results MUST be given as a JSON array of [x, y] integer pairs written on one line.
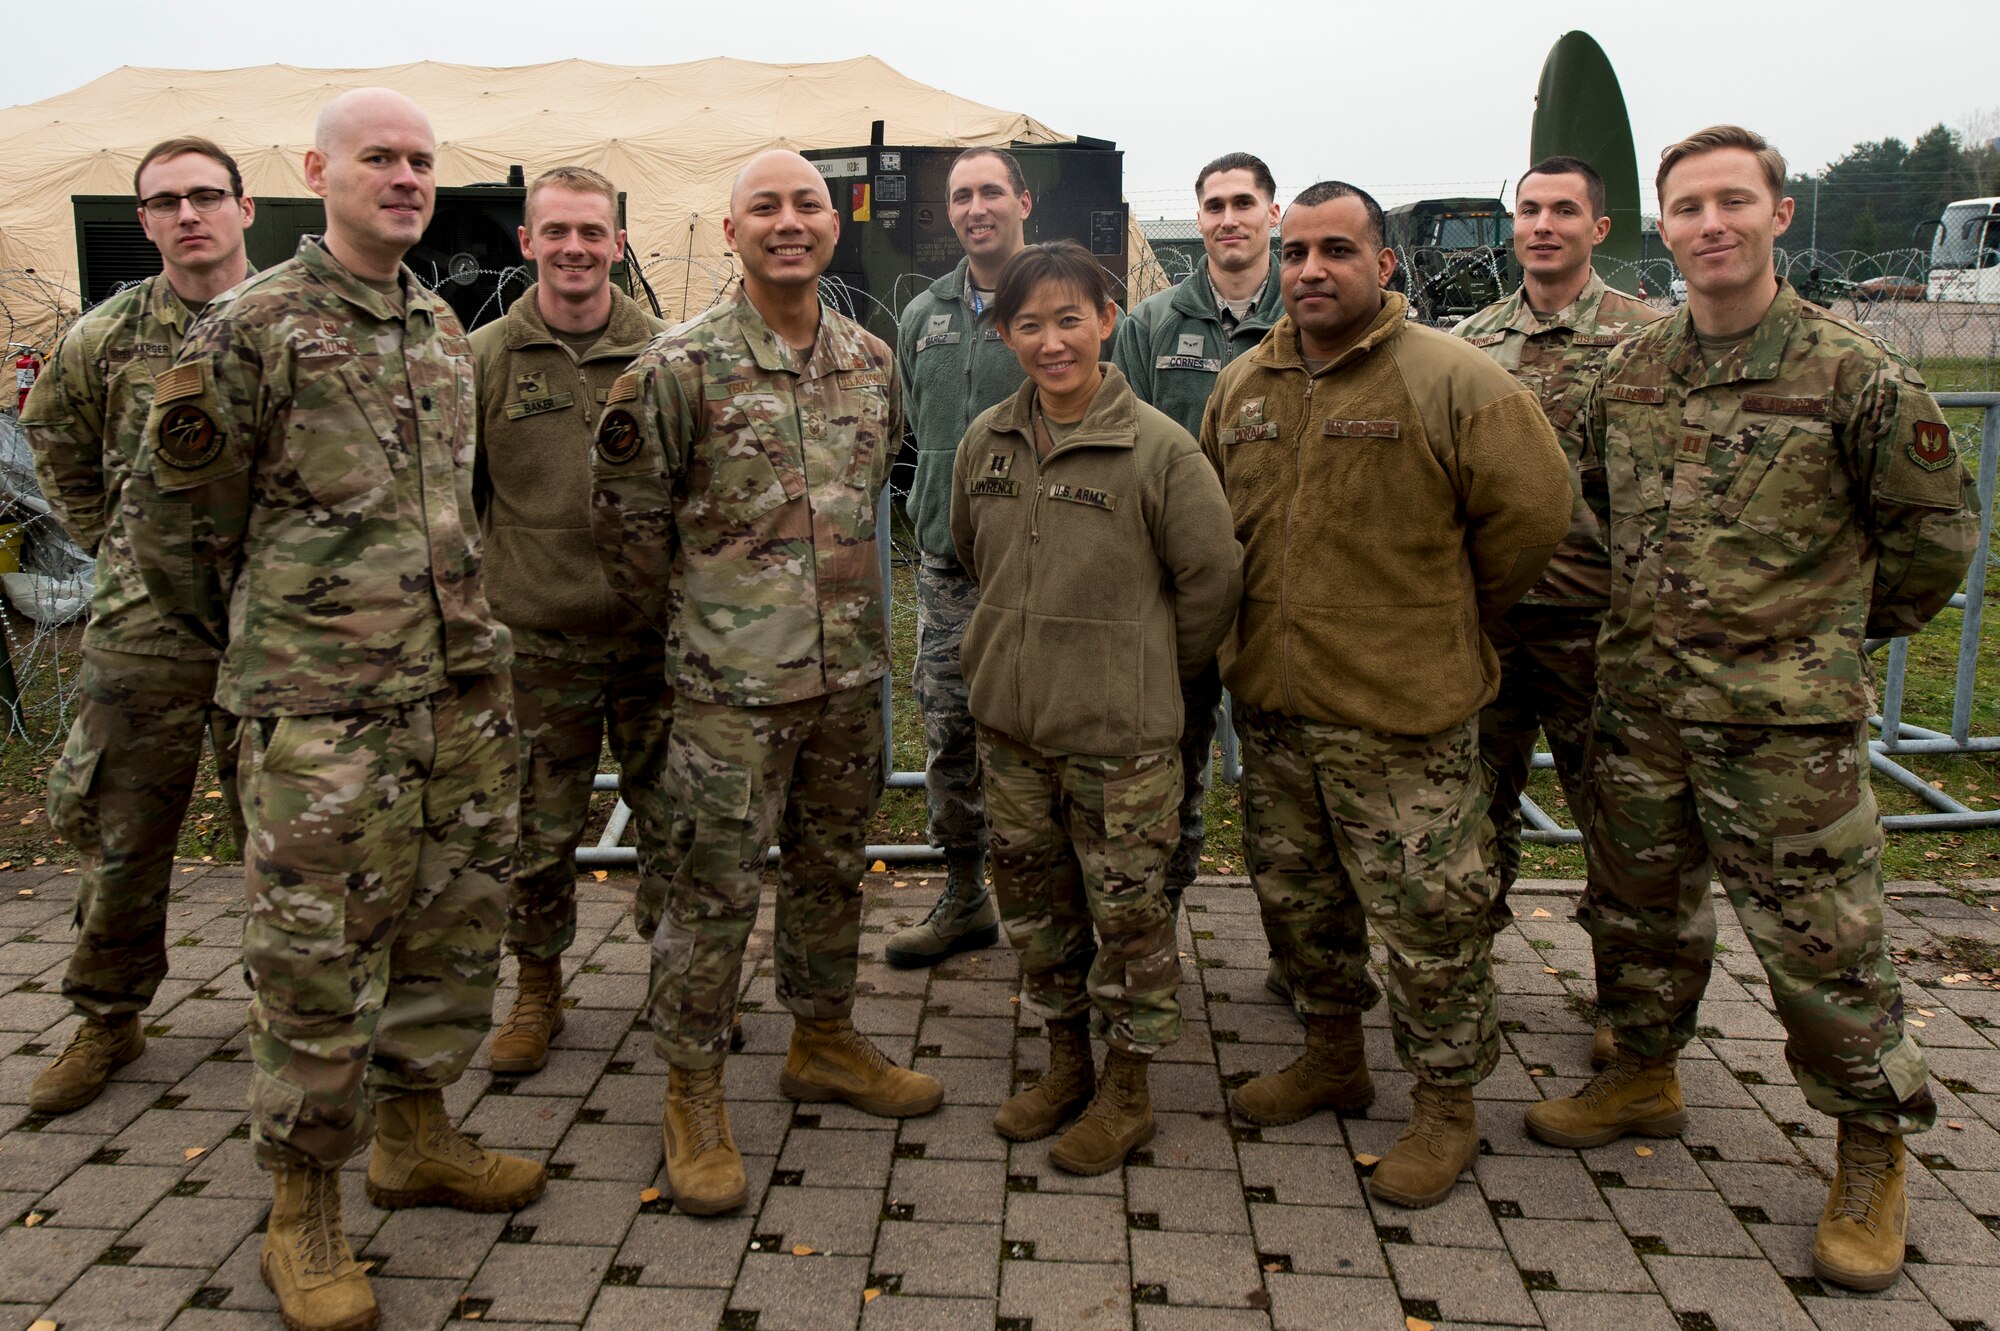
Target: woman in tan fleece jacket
[[1108, 573]]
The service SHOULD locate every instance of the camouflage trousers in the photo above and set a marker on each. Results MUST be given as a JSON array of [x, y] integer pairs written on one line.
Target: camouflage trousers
[[1548, 676], [377, 876], [1080, 841], [806, 775], [1201, 699], [946, 599], [118, 795], [1786, 816], [564, 711], [1345, 827]]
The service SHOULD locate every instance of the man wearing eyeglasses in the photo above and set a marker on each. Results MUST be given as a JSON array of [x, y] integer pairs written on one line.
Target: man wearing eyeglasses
[[126, 776]]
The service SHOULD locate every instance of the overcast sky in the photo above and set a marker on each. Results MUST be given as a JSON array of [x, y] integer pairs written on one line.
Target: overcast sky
[[1404, 97]]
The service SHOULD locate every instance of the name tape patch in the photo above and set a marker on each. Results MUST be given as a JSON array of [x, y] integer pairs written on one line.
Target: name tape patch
[[1784, 406], [1651, 397], [1338, 429], [994, 485], [1243, 434], [929, 340], [1206, 364], [536, 406]]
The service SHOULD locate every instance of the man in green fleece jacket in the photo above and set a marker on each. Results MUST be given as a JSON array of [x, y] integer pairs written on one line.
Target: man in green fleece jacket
[[1170, 350], [1393, 489], [583, 663], [953, 366]]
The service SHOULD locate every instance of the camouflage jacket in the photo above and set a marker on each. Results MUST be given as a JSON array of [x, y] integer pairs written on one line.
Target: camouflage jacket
[[735, 503], [538, 409], [1767, 514], [953, 366], [308, 494], [1558, 362], [85, 419], [1174, 344]]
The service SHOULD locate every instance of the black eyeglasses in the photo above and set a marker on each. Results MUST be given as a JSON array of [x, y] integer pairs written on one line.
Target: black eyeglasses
[[169, 205]]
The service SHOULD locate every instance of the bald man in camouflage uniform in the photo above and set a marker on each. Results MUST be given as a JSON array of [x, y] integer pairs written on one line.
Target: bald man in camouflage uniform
[[310, 463], [738, 469], [123, 784], [1775, 496]]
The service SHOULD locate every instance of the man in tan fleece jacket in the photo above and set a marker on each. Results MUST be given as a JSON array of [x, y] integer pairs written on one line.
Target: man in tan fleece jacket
[[1393, 489]]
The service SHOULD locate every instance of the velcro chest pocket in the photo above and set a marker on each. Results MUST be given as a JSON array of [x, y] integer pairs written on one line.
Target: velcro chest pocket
[[1779, 475], [340, 431], [752, 450]]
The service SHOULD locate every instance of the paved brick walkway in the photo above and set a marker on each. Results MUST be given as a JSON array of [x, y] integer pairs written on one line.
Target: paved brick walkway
[[149, 1208]]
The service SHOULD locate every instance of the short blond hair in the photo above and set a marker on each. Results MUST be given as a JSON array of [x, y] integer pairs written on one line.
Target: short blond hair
[[1723, 136], [578, 179]]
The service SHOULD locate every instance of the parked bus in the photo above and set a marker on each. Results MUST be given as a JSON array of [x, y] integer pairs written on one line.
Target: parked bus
[[1965, 252]]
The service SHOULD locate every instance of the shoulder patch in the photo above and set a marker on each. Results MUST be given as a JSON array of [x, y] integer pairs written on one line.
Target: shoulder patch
[[618, 435], [1930, 445], [177, 383], [626, 389], [188, 439]]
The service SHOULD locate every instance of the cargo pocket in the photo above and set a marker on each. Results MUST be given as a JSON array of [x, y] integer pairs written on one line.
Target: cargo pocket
[[1444, 859], [1830, 911], [295, 947], [1137, 805], [71, 811]]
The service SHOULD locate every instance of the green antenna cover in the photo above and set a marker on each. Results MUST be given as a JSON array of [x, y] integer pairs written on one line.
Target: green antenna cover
[[1579, 112]]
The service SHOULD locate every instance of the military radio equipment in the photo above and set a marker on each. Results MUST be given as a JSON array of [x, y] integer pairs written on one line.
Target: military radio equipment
[[895, 227]]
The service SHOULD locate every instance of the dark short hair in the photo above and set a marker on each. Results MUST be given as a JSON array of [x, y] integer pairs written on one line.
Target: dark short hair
[[1239, 162], [1326, 191], [189, 143], [1563, 165], [1714, 138], [1015, 180], [1060, 261]]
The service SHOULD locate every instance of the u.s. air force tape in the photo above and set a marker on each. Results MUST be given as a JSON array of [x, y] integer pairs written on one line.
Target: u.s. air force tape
[[618, 436], [188, 438]]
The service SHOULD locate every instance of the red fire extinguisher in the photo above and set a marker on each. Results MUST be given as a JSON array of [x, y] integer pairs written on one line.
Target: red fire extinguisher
[[26, 366]]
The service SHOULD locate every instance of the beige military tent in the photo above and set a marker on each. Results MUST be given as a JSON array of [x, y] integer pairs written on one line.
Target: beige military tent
[[671, 136]]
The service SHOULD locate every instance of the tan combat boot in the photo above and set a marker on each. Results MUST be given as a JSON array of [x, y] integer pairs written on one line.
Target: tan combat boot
[[420, 1159], [1603, 1047], [1062, 1092], [1331, 1073], [1441, 1142], [963, 920], [1631, 1095], [77, 1076], [830, 1060], [1118, 1121], [1859, 1243], [704, 1168], [306, 1261], [522, 1043]]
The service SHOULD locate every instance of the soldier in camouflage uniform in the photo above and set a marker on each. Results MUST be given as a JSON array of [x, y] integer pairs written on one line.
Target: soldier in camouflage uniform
[[1078, 763], [582, 667], [1170, 350], [1392, 488], [738, 468], [308, 509], [1778, 488], [953, 366], [1552, 335], [125, 778]]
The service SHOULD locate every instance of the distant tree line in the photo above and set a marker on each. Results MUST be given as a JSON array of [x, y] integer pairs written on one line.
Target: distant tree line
[[1878, 195]]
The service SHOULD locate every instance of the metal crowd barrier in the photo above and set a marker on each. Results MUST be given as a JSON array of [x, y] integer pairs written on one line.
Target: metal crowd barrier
[[1895, 736]]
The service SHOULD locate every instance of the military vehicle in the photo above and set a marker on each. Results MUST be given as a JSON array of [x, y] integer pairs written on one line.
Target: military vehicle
[[1453, 256]]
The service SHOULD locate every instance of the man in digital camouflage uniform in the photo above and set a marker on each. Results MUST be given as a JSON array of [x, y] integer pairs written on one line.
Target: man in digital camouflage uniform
[[126, 776], [1393, 489], [953, 366], [1552, 335], [1778, 487], [309, 510], [1171, 349], [738, 468], [584, 666]]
